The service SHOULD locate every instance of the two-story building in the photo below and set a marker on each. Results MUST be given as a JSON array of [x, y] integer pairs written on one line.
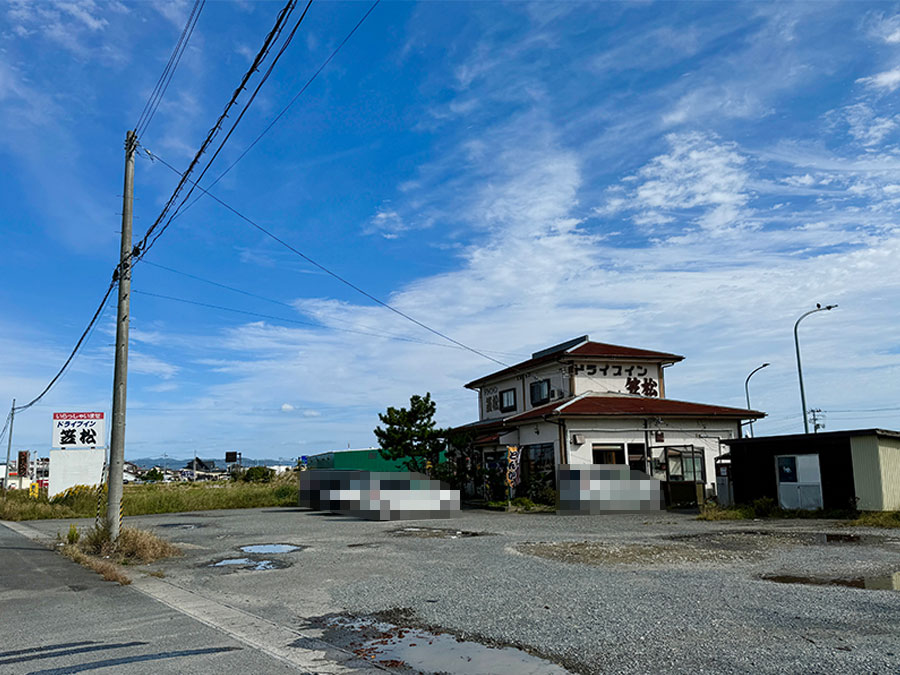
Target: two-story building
[[583, 402]]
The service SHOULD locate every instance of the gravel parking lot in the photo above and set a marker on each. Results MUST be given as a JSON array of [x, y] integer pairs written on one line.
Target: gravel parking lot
[[628, 593]]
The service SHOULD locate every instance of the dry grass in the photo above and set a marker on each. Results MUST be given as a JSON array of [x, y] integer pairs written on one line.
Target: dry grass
[[94, 549], [81, 501], [890, 519], [109, 571]]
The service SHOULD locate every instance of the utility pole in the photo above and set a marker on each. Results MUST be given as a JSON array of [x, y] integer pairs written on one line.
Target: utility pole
[[12, 415], [120, 377]]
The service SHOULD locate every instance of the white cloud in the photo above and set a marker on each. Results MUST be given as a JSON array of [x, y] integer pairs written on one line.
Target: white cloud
[[286, 407], [700, 178], [889, 80], [866, 127]]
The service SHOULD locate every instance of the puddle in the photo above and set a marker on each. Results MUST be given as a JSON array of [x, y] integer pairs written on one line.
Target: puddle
[[250, 564], [422, 651], [885, 582], [435, 532], [270, 548]]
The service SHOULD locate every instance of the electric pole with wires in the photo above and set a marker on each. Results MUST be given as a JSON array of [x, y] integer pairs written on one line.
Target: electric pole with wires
[[120, 376]]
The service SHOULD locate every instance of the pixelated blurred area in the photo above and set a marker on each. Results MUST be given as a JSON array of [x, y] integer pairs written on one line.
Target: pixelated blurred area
[[378, 495], [591, 489]]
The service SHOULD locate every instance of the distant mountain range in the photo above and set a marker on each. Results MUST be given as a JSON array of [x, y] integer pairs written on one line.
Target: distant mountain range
[[181, 462]]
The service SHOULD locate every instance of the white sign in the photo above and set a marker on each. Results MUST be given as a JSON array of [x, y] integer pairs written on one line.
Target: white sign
[[79, 430]]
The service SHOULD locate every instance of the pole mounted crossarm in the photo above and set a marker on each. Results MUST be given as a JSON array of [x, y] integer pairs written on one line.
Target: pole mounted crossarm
[[818, 308]]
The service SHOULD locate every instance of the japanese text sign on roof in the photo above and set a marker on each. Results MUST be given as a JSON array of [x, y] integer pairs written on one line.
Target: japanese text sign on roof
[[79, 430]]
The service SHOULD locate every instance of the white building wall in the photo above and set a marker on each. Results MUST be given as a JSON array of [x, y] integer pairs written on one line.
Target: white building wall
[[702, 434], [490, 395]]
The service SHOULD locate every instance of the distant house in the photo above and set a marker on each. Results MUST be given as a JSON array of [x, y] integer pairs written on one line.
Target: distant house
[[584, 402], [205, 469]]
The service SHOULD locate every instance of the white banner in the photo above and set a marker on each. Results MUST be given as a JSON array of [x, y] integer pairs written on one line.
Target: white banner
[[79, 430]]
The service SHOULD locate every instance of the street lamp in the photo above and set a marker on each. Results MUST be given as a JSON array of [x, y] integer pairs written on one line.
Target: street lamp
[[818, 308], [747, 390]]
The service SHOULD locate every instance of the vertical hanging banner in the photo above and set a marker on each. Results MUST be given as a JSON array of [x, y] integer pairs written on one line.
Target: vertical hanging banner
[[74, 430], [513, 458]]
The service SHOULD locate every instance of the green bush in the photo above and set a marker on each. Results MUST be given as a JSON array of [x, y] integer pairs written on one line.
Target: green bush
[[259, 474], [765, 507], [154, 475]]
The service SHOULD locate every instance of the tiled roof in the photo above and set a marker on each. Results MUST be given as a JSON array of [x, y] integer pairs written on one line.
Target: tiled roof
[[603, 405], [632, 406], [584, 350]]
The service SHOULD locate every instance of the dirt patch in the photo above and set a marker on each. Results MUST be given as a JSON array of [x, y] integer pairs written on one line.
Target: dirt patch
[[605, 553]]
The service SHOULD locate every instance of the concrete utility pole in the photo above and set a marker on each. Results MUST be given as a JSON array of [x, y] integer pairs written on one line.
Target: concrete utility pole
[[12, 416], [120, 378]]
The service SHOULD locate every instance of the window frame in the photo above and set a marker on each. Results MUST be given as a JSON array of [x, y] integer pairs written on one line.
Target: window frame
[[539, 383], [506, 408]]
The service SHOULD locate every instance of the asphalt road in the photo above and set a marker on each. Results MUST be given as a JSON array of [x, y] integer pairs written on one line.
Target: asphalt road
[[57, 617], [630, 593]]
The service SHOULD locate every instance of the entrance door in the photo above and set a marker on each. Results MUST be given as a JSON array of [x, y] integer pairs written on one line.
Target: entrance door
[[799, 482]]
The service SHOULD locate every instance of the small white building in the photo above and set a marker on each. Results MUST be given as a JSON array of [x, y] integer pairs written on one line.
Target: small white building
[[584, 402]]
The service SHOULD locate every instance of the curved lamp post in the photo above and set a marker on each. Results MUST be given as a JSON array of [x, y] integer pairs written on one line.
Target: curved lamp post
[[818, 308], [747, 390]]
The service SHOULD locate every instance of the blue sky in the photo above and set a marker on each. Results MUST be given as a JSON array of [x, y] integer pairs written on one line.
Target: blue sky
[[689, 177]]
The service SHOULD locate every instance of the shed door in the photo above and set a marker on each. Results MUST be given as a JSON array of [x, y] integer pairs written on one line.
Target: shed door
[[799, 482]]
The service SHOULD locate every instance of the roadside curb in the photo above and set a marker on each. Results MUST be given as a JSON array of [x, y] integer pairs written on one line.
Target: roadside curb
[[293, 647]]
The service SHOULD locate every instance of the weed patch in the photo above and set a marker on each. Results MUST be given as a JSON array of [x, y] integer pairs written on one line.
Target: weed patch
[[768, 508], [95, 550], [877, 519], [81, 501], [106, 569]]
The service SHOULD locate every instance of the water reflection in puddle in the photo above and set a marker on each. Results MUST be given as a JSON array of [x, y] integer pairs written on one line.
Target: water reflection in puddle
[[270, 548], [394, 646], [886, 582], [248, 563], [434, 532]]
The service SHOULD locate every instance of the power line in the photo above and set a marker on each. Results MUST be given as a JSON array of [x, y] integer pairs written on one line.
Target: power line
[[387, 336], [864, 410], [145, 246], [78, 344], [289, 105], [5, 425], [165, 78], [392, 336], [335, 274], [261, 55]]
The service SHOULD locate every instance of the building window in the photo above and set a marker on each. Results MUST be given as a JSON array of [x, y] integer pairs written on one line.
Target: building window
[[608, 453], [507, 400], [540, 392]]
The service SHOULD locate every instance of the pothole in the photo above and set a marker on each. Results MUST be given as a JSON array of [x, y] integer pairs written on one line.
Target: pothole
[[884, 582], [249, 564], [183, 526], [435, 532], [414, 650], [769, 539], [367, 544], [602, 553], [269, 549]]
